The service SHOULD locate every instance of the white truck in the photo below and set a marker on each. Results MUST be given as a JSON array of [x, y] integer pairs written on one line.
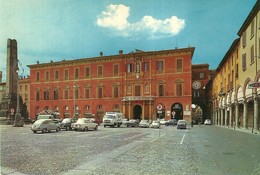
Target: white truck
[[112, 119]]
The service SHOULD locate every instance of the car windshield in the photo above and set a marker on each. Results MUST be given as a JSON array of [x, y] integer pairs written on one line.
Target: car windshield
[[155, 121], [66, 120], [38, 121], [181, 121], [81, 120], [144, 121], [109, 116]]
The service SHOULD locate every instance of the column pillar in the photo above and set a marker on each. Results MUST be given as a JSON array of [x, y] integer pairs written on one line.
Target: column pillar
[[226, 114], [236, 114], [256, 112], [143, 112], [230, 116], [129, 109], [221, 117], [245, 115]]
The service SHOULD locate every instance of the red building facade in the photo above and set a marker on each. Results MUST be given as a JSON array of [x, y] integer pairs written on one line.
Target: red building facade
[[141, 85]]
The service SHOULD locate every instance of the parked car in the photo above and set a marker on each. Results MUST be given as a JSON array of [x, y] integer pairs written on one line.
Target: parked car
[[84, 124], [162, 121], [133, 123], [45, 125], [125, 121], [171, 122], [181, 124], [144, 124], [207, 122], [155, 124], [67, 122]]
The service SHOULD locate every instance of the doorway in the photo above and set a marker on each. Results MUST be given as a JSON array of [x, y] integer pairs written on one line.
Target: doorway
[[137, 110]]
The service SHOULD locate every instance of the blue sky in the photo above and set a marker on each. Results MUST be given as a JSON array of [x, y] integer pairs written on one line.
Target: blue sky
[[54, 30]]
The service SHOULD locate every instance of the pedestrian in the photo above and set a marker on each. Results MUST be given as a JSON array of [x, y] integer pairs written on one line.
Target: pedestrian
[[234, 125]]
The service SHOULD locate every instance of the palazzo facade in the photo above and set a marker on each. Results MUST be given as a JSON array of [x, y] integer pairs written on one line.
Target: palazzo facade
[[141, 85]]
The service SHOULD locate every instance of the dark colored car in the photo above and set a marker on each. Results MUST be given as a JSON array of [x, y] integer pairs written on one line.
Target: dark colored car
[[171, 122], [133, 123], [67, 122]]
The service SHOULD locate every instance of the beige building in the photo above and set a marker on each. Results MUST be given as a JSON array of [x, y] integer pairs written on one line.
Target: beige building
[[235, 102]]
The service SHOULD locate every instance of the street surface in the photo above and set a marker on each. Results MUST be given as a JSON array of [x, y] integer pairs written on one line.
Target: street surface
[[205, 150]]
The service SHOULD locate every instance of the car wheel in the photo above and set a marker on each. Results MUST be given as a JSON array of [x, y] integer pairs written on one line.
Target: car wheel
[[86, 129], [58, 129], [44, 130], [67, 128], [34, 131], [96, 127]]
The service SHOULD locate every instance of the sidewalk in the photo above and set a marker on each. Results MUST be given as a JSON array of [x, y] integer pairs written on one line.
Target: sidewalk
[[248, 130]]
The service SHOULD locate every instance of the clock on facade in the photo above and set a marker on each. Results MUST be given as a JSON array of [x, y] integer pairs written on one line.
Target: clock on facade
[[196, 85]]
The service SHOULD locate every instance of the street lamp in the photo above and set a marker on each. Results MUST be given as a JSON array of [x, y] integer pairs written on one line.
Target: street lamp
[[74, 105]]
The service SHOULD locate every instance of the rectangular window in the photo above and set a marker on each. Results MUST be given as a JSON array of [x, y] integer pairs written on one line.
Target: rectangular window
[[47, 76], [252, 28], [244, 39], [115, 92], [202, 75], [179, 65], [26, 88], [46, 95], [56, 95], [145, 66], [244, 61], [159, 66], [161, 90], [76, 73], [37, 95], [87, 93], [129, 68], [179, 89], [237, 70], [100, 92], [137, 90], [87, 73], [56, 75], [116, 70], [66, 74], [100, 71], [66, 94], [37, 76], [252, 54]]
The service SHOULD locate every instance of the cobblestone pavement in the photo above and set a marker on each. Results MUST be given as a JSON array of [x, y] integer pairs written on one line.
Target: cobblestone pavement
[[106, 151]]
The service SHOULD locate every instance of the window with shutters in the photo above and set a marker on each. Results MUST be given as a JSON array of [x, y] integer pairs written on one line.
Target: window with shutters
[[137, 90], [100, 92], [159, 66], [252, 55], [56, 75], [179, 65], [87, 72], [76, 73], [66, 74], [87, 93], [100, 71], [116, 70], [115, 92], [179, 89], [161, 90], [244, 61]]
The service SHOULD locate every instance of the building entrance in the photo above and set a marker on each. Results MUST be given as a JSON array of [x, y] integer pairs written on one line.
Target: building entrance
[[177, 111], [137, 112]]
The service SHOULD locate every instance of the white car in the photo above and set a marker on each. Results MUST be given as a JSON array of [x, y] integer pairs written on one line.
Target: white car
[[155, 124], [45, 125], [84, 124], [207, 122], [162, 122], [144, 124]]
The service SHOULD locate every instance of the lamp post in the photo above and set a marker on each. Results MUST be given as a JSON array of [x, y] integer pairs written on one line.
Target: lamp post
[[74, 104]]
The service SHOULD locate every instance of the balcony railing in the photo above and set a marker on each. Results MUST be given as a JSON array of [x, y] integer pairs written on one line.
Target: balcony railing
[[138, 98]]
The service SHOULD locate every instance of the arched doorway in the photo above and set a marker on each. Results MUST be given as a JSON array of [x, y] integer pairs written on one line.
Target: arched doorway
[[177, 111], [137, 110]]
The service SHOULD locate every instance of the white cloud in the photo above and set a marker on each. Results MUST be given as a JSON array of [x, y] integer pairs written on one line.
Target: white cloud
[[116, 17]]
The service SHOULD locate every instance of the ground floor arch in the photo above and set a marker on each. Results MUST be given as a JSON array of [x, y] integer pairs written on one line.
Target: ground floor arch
[[137, 112], [177, 111]]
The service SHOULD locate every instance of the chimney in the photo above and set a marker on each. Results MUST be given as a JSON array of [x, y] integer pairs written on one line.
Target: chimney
[[120, 52], [101, 54]]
